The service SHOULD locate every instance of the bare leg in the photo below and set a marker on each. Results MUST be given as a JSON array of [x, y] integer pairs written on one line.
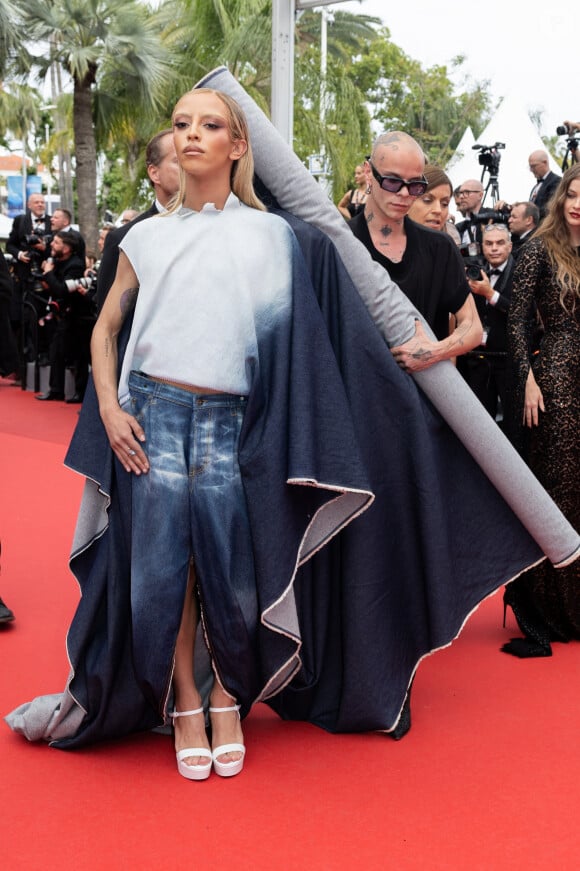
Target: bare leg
[[226, 727], [189, 731]]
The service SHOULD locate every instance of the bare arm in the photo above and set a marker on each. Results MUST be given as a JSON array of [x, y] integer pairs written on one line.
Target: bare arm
[[420, 352], [342, 206], [123, 430]]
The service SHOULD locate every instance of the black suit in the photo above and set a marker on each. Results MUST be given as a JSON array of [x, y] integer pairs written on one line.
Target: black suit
[[23, 226], [8, 348], [74, 323], [484, 368], [110, 259], [475, 231], [546, 192]]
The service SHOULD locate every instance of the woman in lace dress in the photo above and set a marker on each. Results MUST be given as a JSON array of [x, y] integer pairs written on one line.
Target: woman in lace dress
[[545, 600]]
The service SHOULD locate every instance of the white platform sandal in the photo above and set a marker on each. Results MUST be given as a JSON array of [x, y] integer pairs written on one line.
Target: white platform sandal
[[227, 769], [192, 772]]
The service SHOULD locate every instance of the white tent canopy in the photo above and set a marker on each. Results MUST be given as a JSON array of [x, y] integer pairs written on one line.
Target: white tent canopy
[[512, 126], [463, 149]]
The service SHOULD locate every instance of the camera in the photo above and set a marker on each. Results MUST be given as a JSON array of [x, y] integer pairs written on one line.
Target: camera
[[489, 156], [567, 129], [473, 272], [33, 239], [86, 282], [495, 216], [571, 131]]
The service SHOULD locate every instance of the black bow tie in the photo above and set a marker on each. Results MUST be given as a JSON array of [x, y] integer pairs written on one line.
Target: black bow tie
[[495, 272]]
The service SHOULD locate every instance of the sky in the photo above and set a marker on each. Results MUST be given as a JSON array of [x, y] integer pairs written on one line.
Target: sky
[[523, 47]]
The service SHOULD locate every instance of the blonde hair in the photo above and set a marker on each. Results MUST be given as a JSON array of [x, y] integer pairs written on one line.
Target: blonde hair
[[555, 235], [242, 177]]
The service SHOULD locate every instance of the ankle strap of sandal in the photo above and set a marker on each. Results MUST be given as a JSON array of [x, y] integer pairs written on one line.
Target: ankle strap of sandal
[[186, 713], [223, 710]]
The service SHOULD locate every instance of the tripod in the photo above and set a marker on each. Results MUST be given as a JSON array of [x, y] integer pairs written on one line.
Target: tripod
[[570, 154], [492, 185]]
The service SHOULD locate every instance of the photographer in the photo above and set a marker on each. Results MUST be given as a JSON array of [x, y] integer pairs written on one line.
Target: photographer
[[26, 242], [546, 181], [27, 246], [523, 221], [70, 298], [61, 220], [484, 368]]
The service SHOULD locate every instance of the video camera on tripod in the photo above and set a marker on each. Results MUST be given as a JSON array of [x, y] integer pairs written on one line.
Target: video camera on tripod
[[569, 128], [489, 156]]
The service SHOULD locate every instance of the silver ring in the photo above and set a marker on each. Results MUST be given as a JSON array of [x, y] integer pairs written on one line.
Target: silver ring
[[131, 453]]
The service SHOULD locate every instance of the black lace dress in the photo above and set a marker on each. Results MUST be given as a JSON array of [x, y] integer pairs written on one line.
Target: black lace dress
[[545, 600]]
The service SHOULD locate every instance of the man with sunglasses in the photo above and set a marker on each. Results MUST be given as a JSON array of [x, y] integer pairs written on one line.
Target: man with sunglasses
[[424, 263]]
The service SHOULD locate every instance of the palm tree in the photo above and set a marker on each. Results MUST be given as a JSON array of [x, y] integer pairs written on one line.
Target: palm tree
[[94, 40]]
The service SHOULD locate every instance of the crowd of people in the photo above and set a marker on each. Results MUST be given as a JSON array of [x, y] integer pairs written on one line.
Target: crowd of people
[[191, 387], [50, 299]]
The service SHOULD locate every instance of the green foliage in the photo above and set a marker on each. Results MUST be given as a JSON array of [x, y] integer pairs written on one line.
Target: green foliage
[[422, 102], [134, 60]]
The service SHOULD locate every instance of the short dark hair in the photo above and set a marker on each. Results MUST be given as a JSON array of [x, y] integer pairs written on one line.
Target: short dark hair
[[530, 211], [153, 152], [65, 212], [70, 239]]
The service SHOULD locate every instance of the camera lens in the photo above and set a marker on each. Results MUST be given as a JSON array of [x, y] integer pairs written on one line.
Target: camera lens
[[473, 273]]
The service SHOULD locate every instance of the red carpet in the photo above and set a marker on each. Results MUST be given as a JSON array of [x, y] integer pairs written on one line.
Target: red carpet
[[488, 777]]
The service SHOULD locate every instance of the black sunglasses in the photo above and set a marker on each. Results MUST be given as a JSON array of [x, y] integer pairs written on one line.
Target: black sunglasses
[[393, 184]]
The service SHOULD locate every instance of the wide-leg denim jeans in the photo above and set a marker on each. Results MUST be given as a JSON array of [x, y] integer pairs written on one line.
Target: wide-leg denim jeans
[[191, 504]]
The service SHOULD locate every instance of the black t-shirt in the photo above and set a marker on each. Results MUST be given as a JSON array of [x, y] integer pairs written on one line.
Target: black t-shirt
[[431, 273]]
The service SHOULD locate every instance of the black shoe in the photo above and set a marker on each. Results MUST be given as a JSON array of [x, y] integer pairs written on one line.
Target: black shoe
[[6, 614], [50, 396], [75, 399], [526, 648]]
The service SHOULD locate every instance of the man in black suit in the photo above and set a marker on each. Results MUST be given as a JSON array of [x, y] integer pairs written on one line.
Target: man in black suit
[[8, 347], [26, 256], [470, 198], [61, 220], [163, 172], [522, 221], [70, 304], [33, 222], [484, 368], [546, 181]]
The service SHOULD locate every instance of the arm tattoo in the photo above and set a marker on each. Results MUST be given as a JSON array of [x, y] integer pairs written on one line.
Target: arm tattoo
[[458, 335], [128, 301], [107, 348]]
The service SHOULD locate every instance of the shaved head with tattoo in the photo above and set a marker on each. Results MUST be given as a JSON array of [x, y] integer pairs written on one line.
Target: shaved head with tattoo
[[424, 263]]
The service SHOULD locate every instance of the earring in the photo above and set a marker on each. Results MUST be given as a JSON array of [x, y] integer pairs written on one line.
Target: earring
[[368, 190]]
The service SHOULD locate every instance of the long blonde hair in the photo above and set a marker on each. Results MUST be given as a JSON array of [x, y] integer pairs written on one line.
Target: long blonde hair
[[242, 177], [556, 237]]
